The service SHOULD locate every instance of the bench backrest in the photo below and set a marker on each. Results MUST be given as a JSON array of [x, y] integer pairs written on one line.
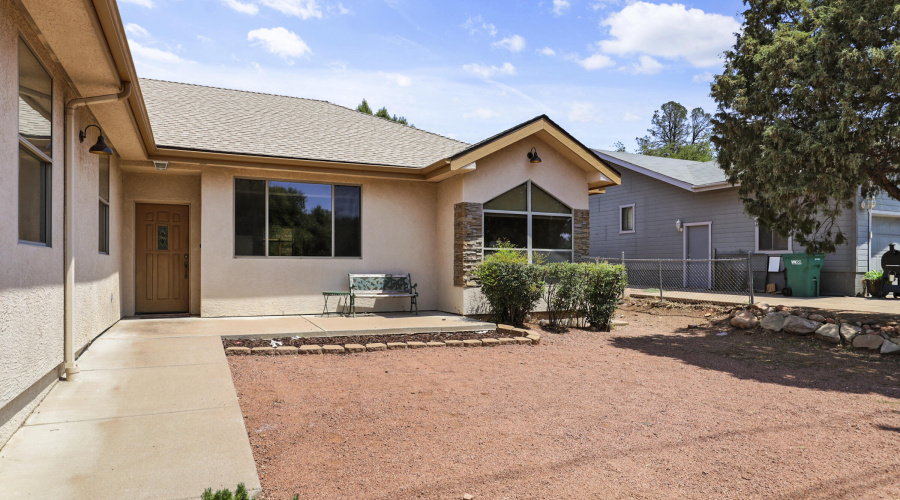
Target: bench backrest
[[397, 283]]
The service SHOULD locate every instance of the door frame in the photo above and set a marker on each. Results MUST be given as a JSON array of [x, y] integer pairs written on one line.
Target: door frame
[[873, 264], [135, 251], [684, 240]]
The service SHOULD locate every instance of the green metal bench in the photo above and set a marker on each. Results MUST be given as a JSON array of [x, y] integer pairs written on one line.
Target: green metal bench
[[382, 286]]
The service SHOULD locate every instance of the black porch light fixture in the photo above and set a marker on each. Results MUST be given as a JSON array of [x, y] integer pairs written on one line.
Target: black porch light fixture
[[100, 148], [533, 156]]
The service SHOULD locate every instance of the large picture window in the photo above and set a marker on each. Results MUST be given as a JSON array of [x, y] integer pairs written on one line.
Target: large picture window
[[531, 219], [296, 219], [35, 148]]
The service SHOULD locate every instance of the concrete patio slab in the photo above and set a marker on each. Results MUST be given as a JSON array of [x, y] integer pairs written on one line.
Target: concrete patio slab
[[205, 327], [142, 353], [163, 456], [137, 391]]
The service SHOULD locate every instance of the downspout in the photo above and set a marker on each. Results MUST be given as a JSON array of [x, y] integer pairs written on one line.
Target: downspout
[[71, 369]]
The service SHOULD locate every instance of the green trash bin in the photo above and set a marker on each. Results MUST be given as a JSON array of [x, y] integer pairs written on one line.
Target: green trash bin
[[803, 274]]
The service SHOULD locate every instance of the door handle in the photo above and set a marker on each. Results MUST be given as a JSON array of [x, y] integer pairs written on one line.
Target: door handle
[[185, 266]]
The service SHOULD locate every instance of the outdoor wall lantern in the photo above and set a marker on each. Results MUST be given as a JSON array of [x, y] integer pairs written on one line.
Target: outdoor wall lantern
[[679, 225], [100, 148], [533, 156], [868, 204]]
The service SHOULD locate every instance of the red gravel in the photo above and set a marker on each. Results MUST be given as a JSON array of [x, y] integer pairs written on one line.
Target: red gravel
[[651, 410]]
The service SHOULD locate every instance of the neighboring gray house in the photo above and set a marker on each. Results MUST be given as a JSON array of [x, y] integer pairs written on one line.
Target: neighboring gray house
[[639, 218]]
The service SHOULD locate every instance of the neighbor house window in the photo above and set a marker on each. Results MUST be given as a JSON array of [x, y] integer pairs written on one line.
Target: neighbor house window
[[103, 215], [531, 219], [626, 219], [35, 148], [770, 241], [296, 219]]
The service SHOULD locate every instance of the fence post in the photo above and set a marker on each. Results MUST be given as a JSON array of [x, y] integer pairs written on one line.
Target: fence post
[[623, 257], [660, 280], [750, 274]]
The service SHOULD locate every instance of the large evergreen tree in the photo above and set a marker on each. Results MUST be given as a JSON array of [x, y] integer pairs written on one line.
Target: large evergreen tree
[[809, 112], [672, 134]]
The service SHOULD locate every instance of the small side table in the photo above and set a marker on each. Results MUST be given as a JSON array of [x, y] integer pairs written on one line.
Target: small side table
[[343, 301]]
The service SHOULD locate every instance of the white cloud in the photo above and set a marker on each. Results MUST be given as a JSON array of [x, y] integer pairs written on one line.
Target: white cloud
[[560, 6], [603, 4], [204, 39], [646, 65], [706, 77], [581, 112], [136, 30], [596, 61], [243, 8], [157, 55], [396, 78], [629, 117], [485, 71], [142, 3], [339, 8], [547, 51], [514, 43], [280, 41], [481, 114], [670, 31], [475, 24], [304, 9]]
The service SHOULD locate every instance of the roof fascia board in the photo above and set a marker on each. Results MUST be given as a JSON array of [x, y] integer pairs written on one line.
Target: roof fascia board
[[589, 161], [649, 173], [446, 172], [246, 161], [713, 187], [111, 24]]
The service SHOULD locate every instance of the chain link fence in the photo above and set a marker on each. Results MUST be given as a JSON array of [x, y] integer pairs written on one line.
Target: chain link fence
[[727, 280]]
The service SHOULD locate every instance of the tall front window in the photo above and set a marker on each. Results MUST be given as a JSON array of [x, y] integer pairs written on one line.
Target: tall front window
[[103, 215], [35, 148], [531, 219], [296, 219]]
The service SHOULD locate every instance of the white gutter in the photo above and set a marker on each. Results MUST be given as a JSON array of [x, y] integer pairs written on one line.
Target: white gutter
[[69, 209]]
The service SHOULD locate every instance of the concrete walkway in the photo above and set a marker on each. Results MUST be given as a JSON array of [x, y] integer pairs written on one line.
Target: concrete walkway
[[153, 416], [853, 304]]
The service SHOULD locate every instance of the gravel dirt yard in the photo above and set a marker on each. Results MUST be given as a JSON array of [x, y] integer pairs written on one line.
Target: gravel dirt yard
[[662, 408]]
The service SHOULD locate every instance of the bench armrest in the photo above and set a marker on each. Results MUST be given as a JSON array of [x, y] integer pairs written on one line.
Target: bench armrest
[[413, 288]]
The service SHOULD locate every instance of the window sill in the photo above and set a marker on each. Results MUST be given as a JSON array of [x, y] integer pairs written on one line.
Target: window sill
[[34, 244], [627, 232], [775, 252]]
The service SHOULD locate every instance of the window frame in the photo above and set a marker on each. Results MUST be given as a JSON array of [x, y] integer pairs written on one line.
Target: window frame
[[266, 255], [104, 243], [45, 160], [528, 216], [790, 246], [633, 219]]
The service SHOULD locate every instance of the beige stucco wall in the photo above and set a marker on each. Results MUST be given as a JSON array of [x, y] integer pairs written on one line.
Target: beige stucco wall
[[494, 175], [31, 276], [449, 193], [398, 237], [153, 186]]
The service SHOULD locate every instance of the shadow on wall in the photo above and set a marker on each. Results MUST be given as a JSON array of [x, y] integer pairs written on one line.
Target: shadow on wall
[[775, 358]]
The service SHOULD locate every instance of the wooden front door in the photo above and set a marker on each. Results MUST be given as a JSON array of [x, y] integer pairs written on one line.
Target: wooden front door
[[162, 258]]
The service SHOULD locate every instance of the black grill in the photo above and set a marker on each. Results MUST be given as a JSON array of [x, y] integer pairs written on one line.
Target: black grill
[[890, 266]]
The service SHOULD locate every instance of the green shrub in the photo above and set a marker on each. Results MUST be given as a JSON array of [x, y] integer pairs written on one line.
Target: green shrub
[[510, 284], [603, 285], [563, 292], [225, 494], [874, 275]]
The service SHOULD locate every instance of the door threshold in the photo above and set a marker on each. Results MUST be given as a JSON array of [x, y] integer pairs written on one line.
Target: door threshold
[[160, 316]]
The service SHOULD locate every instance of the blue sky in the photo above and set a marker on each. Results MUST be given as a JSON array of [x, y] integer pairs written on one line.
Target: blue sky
[[463, 69]]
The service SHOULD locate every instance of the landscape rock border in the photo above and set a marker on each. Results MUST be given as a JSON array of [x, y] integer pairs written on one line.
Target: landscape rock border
[[884, 339], [523, 337]]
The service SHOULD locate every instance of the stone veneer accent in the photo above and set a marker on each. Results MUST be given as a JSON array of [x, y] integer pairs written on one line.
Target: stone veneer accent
[[582, 230], [468, 242]]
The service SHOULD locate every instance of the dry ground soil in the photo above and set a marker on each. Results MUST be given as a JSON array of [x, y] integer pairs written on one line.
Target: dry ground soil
[[663, 408]]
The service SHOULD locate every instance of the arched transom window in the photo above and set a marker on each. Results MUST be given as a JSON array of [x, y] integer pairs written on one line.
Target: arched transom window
[[532, 219]]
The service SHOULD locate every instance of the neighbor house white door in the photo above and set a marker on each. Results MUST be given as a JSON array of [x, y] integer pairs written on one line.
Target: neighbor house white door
[[697, 255]]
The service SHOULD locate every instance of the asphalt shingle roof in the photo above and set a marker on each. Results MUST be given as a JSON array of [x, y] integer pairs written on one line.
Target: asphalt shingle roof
[[695, 173], [186, 116]]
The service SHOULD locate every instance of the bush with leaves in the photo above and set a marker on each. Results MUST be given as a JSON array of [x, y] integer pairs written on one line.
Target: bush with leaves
[[510, 284], [225, 494], [563, 292], [603, 284]]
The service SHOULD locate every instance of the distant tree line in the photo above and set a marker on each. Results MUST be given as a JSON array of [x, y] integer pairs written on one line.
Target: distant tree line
[[674, 133], [382, 113]]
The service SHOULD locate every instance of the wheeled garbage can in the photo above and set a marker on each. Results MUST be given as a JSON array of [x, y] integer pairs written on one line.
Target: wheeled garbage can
[[803, 274]]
